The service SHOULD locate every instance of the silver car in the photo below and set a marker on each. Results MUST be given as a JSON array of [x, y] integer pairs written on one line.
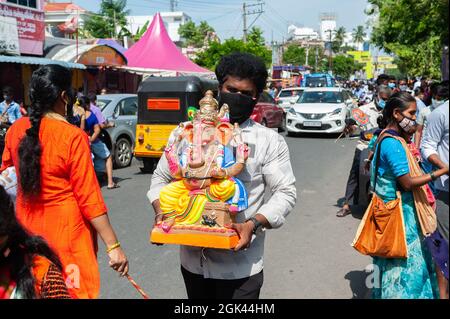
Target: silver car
[[122, 110]]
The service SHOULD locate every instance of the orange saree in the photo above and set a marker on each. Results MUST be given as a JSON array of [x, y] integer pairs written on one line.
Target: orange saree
[[69, 199]]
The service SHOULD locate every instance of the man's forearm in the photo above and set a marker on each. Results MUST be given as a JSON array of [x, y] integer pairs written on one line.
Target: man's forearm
[[436, 161]]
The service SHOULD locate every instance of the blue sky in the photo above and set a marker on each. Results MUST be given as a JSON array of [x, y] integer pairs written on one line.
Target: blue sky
[[226, 15]]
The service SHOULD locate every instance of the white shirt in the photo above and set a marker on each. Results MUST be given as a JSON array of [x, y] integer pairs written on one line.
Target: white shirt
[[268, 170], [435, 140]]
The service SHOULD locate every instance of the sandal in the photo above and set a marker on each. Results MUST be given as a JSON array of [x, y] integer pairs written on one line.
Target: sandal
[[343, 212], [114, 186]]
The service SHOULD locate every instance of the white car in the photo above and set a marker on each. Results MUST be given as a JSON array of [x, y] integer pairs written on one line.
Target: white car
[[287, 97], [320, 110]]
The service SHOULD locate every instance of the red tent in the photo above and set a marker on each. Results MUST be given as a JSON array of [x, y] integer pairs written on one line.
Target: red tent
[[156, 51]]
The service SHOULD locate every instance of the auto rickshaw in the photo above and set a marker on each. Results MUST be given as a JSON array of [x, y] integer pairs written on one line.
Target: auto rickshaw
[[163, 103]]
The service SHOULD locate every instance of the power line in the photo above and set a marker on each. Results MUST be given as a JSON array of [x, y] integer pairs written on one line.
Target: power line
[[248, 10]]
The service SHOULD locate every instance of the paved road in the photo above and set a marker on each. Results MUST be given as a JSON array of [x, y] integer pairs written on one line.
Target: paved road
[[309, 257]]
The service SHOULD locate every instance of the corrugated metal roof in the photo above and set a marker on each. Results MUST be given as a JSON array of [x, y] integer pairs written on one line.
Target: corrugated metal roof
[[39, 61]]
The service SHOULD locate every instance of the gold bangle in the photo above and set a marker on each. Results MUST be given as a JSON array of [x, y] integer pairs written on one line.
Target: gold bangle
[[111, 248]]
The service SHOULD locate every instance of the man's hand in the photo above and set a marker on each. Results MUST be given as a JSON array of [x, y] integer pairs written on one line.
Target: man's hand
[[245, 232]]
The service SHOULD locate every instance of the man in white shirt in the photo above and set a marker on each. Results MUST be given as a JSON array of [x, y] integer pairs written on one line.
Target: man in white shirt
[[439, 97], [436, 150], [373, 110], [227, 274]]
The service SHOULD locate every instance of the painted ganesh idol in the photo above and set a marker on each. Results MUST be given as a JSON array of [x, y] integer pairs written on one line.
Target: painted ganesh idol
[[204, 157]]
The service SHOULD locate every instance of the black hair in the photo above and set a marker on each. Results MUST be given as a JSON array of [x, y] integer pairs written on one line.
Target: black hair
[[47, 84], [7, 90], [243, 66], [84, 101], [419, 90], [92, 97], [23, 247], [382, 78], [391, 77], [441, 91], [400, 100]]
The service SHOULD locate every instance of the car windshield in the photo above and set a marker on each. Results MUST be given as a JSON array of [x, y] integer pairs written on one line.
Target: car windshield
[[316, 82], [321, 97], [290, 93], [103, 103]]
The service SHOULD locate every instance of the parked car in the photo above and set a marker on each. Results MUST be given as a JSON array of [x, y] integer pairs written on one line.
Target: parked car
[[318, 80], [122, 110], [320, 110], [288, 96], [268, 113]]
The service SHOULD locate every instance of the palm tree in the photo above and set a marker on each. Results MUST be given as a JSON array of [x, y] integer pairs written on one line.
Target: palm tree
[[359, 34], [339, 37]]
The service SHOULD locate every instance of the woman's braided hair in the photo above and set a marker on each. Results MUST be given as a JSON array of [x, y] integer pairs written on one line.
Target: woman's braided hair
[[47, 84]]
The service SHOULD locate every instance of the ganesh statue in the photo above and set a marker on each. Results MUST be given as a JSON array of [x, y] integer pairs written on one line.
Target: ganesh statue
[[204, 156]]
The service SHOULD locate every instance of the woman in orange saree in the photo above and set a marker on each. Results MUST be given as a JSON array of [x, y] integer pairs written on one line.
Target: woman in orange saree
[[59, 197]]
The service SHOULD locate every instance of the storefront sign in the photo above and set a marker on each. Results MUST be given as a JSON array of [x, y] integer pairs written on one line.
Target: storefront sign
[[30, 27], [9, 40]]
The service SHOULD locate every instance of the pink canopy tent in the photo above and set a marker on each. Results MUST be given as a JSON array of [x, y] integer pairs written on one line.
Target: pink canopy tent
[[156, 51]]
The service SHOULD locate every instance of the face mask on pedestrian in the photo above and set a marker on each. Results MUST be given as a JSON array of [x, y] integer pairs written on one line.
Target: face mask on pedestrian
[[380, 103], [436, 103], [241, 106], [403, 88], [408, 125], [391, 85], [7, 97]]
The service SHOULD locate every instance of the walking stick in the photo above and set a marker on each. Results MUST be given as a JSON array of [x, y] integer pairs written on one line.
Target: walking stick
[[339, 136], [138, 288]]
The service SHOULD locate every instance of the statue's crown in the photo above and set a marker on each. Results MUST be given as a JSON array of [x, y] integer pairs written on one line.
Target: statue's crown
[[208, 102]]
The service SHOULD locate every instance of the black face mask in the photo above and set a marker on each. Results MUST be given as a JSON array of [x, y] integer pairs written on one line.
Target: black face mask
[[241, 106]]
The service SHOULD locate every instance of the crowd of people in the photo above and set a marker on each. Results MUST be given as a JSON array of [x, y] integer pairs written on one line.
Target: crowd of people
[[415, 114], [49, 231]]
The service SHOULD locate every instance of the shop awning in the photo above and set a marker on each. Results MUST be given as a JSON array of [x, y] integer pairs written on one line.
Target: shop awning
[[39, 61]]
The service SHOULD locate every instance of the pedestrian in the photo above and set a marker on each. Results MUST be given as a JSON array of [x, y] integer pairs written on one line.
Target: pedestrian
[[373, 110], [9, 110], [29, 268], [419, 94], [238, 273], [440, 96], [59, 197], [435, 149], [96, 121], [413, 277]]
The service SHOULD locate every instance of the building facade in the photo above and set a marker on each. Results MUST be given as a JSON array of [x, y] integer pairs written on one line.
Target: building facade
[[61, 16]]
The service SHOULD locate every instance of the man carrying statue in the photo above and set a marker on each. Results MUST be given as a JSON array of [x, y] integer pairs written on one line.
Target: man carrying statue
[[238, 273]]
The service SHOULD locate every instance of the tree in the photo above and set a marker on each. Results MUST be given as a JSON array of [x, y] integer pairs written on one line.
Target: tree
[[359, 34], [339, 38], [112, 16], [415, 31], [294, 55], [344, 66], [141, 31], [195, 35], [255, 45]]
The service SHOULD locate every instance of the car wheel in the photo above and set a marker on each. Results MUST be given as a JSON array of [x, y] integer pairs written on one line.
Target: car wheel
[[123, 153], [149, 165]]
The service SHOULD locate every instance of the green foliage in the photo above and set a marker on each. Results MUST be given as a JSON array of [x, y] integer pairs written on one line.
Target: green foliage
[[339, 38], [345, 66], [255, 45], [112, 15], [358, 34], [297, 55], [414, 31], [141, 31], [195, 35]]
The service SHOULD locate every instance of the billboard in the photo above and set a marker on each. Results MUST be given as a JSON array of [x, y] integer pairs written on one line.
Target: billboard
[[30, 27], [9, 40]]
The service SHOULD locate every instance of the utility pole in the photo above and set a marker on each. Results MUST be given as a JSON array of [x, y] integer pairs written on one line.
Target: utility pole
[[330, 55], [246, 12]]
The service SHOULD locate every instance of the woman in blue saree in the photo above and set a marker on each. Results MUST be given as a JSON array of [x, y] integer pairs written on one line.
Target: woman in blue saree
[[415, 276]]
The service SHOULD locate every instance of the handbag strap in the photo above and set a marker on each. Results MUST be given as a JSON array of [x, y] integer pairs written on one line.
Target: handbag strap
[[381, 137]]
